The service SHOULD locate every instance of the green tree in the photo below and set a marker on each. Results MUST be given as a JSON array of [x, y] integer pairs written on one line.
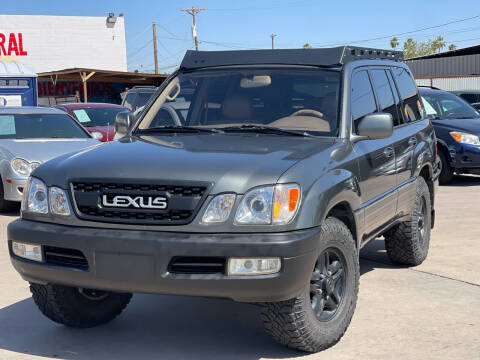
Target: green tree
[[452, 47], [394, 43], [307, 46], [411, 48]]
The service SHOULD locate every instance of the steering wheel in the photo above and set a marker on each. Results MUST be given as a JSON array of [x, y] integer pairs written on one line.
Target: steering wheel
[[308, 111]]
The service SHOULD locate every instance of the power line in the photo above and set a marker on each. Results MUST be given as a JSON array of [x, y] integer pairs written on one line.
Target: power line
[[134, 53], [399, 34], [141, 33]]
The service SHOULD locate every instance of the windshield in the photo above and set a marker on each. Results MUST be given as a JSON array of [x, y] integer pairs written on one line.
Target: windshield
[[142, 99], [443, 105], [96, 116], [286, 98], [37, 126]]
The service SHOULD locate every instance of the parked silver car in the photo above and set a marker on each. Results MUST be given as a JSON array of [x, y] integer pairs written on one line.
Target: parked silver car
[[30, 136]]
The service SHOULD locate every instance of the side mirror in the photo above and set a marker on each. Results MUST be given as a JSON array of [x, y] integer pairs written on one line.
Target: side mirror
[[375, 126], [123, 120]]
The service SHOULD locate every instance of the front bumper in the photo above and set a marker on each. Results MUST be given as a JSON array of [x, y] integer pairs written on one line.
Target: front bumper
[[137, 261], [13, 189], [466, 157]]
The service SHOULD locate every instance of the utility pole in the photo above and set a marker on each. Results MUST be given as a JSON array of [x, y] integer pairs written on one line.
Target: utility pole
[[194, 11], [155, 58], [273, 41]]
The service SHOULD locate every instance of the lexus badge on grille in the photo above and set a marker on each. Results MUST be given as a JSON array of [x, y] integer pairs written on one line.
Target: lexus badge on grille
[[140, 202]]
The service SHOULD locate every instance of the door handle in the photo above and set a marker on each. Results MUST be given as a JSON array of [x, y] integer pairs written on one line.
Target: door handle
[[388, 152], [412, 141]]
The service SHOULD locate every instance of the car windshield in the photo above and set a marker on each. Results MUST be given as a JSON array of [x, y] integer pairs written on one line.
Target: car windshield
[[443, 105], [39, 126], [97, 116], [142, 99], [249, 99]]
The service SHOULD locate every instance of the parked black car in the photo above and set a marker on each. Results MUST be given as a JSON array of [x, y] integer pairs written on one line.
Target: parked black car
[[457, 127], [285, 164]]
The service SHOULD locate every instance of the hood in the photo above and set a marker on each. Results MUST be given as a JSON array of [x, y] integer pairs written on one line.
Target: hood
[[108, 132], [232, 162], [42, 150], [471, 126]]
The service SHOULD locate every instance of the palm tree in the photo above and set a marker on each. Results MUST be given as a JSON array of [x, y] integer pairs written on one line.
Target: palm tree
[[394, 43]]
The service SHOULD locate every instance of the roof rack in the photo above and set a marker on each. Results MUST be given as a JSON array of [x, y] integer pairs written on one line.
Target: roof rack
[[325, 57]]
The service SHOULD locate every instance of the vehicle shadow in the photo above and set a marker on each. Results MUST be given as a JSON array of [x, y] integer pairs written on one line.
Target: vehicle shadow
[[464, 180], [374, 256], [152, 327]]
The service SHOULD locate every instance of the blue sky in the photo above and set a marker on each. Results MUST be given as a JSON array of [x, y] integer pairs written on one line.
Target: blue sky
[[248, 23]]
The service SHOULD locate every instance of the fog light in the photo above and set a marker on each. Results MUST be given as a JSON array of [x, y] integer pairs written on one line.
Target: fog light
[[27, 251], [253, 266]]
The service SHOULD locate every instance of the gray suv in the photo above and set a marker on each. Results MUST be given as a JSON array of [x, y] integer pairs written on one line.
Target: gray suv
[[285, 163]]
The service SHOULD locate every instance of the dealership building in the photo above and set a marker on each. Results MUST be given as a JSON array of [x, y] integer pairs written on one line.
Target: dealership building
[[72, 55]]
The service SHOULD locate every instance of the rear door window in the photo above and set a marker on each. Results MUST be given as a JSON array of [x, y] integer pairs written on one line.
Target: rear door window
[[384, 94], [362, 98], [412, 109]]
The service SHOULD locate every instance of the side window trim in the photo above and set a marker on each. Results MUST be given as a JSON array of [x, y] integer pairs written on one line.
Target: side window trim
[[397, 92]]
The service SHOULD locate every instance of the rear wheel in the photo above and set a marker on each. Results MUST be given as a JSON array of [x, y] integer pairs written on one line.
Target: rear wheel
[[78, 307], [446, 171], [408, 242], [319, 316]]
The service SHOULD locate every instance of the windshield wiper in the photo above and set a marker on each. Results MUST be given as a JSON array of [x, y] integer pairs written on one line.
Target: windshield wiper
[[267, 130], [179, 129]]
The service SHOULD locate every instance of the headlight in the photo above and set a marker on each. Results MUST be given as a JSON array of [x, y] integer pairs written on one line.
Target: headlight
[[269, 205], [97, 135], [465, 138], [36, 200], [256, 207], [219, 209], [21, 166], [59, 202]]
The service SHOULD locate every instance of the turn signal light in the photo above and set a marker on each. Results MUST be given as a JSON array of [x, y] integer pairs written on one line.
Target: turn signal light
[[286, 199]]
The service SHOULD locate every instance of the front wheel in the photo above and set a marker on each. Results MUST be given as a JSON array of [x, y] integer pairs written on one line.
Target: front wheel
[[319, 316], [78, 307], [446, 171]]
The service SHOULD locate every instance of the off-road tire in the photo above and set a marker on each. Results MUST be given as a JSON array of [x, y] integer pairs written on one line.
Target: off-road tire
[[447, 172], [293, 322], [403, 242], [66, 305]]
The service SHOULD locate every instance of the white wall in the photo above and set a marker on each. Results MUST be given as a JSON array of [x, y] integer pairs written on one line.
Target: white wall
[[62, 42]]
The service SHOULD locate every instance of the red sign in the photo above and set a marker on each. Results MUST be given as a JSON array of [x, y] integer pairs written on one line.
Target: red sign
[[12, 44], [64, 88]]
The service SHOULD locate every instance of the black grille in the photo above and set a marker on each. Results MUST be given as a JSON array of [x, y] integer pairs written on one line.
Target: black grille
[[171, 189], [183, 202], [197, 265], [65, 257]]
